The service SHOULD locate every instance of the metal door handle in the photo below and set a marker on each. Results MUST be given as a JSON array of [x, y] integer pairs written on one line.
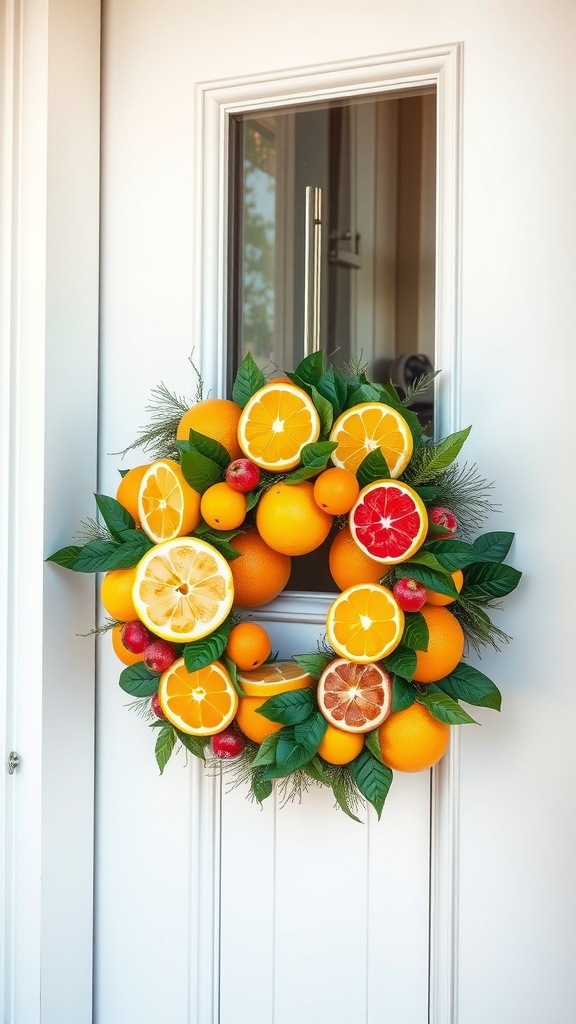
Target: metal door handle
[[312, 269]]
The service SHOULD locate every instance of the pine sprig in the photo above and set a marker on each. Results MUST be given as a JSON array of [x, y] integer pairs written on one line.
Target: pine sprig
[[106, 626], [158, 437], [419, 386], [478, 627], [292, 788], [466, 493], [92, 530]]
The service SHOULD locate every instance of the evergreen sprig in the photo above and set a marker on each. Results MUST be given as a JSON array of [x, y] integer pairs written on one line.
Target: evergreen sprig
[[158, 437], [479, 629], [466, 493]]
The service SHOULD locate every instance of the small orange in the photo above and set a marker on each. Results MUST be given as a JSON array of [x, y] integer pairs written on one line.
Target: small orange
[[445, 645], [412, 740], [339, 747], [349, 564], [217, 418], [116, 594], [260, 573], [253, 725], [222, 507], [290, 521], [128, 488], [248, 645], [441, 600], [336, 490], [126, 656]]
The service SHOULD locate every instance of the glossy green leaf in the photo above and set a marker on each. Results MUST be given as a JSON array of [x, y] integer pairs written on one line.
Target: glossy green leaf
[[165, 743], [139, 681], [372, 778], [249, 379]]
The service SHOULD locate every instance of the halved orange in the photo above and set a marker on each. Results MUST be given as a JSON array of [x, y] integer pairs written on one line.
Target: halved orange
[[278, 677], [183, 589], [167, 506], [275, 425], [199, 703], [364, 623], [354, 698], [389, 521], [366, 427]]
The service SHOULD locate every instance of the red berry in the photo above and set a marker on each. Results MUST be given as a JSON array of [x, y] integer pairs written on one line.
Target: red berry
[[156, 707], [410, 595], [442, 516], [227, 744], [135, 636], [242, 475], [159, 655]]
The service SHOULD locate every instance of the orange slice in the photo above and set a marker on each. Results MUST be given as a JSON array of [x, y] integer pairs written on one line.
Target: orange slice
[[167, 506], [354, 698], [366, 427], [275, 425], [183, 589], [270, 680], [364, 623], [389, 521], [199, 703]]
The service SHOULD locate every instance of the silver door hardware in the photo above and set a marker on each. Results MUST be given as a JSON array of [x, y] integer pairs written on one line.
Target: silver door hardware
[[344, 257], [13, 762], [312, 269]]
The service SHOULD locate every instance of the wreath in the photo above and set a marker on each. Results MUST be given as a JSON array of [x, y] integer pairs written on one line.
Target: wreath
[[237, 491]]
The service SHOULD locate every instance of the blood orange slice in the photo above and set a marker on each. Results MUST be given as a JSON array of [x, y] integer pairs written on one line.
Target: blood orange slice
[[364, 623], [354, 698], [389, 521], [366, 427]]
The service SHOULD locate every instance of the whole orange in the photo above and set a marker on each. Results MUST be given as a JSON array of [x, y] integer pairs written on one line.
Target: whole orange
[[445, 645], [441, 600], [248, 645], [339, 747], [289, 519], [260, 573], [412, 740], [349, 565], [128, 488], [217, 418], [116, 594], [336, 490], [222, 507], [253, 725]]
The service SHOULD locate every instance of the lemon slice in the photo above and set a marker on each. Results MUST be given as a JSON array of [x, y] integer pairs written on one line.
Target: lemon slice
[[183, 589]]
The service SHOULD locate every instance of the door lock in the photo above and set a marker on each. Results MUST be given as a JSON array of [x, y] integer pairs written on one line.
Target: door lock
[[13, 762]]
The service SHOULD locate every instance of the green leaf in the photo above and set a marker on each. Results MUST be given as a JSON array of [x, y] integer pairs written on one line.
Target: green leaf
[[219, 539], [199, 471], [454, 554], [324, 410], [402, 662], [372, 778], [297, 745], [372, 468], [94, 556], [493, 547], [117, 519], [403, 694], [66, 557], [314, 664], [316, 770], [261, 789], [372, 741], [165, 742], [266, 753], [426, 493], [310, 369], [139, 681], [439, 581], [333, 388], [300, 474], [248, 381], [289, 708], [444, 454], [233, 673], [194, 744], [416, 633], [203, 652], [210, 448], [126, 555], [444, 708], [488, 580], [316, 454], [341, 797], [468, 684], [365, 392]]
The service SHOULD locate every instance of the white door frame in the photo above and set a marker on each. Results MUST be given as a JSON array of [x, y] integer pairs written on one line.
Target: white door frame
[[216, 102]]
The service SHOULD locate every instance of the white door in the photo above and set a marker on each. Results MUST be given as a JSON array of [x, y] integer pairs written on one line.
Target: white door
[[459, 905]]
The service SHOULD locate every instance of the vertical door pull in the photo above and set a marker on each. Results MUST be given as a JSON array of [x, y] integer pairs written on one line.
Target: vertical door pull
[[312, 269]]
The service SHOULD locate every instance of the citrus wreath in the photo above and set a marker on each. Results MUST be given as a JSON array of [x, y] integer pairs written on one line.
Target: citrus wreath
[[207, 530]]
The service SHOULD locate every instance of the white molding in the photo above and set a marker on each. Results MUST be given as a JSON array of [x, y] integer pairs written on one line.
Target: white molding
[[216, 103]]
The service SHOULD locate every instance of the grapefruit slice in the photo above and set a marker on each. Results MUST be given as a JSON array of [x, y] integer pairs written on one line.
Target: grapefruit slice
[[354, 698], [275, 425], [389, 521], [183, 589], [167, 506], [366, 427], [364, 623], [199, 703], [270, 680]]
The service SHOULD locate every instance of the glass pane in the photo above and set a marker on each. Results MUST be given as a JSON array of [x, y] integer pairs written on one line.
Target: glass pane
[[374, 160]]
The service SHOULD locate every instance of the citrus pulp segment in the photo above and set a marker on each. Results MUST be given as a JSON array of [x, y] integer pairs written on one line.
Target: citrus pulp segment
[[199, 703], [275, 425], [367, 427], [278, 677], [167, 506], [389, 521], [183, 589], [364, 623], [355, 698]]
